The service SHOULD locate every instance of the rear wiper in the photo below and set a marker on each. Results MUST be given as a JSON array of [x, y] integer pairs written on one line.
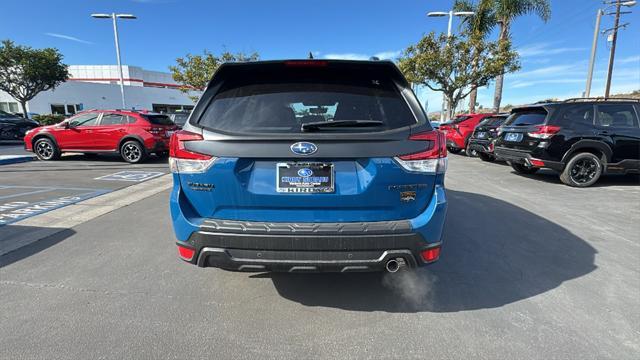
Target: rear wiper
[[340, 123]]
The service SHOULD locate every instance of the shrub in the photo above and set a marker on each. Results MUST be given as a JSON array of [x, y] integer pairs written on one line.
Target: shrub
[[49, 119]]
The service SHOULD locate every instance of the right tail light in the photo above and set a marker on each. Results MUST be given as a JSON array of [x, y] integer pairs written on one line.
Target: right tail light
[[433, 159]]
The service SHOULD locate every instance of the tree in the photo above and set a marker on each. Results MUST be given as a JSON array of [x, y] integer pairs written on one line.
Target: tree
[[446, 64], [506, 11], [195, 71], [479, 26], [25, 72]]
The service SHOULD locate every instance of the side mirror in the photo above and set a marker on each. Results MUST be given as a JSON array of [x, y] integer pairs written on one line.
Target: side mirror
[[66, 125]]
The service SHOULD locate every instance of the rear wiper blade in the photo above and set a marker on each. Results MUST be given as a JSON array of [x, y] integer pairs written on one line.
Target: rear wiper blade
[[340, 123]]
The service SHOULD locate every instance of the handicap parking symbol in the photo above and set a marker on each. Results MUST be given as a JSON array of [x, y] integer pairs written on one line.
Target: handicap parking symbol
[[132, 175]]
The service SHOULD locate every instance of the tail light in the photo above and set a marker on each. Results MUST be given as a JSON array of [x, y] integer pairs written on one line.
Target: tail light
[[433, 159], [544, 131], [155, 130], [186, 161]]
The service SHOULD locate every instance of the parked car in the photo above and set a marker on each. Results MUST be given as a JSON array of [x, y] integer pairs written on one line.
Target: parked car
[[459, 130], [132, 134], [14, 127], [308, 165], [481, 141], [580, 138], [179, 118]]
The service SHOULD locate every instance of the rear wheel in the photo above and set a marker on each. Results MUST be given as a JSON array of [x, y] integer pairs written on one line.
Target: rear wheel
[[133, 152], [454, 150], [521, 169], [471, 152], [582, 170], [45, 149], [486, 157]]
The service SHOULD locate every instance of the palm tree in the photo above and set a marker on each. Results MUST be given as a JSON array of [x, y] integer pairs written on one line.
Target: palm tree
[[506, 11], [478, 27]]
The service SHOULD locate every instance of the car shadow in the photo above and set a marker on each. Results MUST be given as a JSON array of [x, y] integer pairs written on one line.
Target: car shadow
[[552, 177], [495, 253], [9, 234]]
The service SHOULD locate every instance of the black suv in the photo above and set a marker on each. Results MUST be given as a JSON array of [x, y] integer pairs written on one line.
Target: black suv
[[481, 141], [580, 138]]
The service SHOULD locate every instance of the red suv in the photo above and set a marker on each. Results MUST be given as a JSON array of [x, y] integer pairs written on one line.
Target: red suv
[[460, 129], [132, 134]]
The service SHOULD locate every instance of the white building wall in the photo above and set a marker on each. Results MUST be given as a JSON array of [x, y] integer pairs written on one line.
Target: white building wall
[[102, 96]]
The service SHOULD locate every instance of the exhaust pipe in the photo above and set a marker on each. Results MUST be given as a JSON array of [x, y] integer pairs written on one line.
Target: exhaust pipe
[[393, 265]]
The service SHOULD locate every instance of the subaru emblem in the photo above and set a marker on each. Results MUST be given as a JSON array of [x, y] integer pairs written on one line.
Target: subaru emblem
[[304, 148], [305, 172]]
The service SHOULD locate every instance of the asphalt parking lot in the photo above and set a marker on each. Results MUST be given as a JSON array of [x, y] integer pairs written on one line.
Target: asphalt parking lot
[[531, 269]]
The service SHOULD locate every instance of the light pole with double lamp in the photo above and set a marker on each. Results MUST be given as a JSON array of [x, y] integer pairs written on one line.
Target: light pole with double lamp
[[451, 14], [114, 17]]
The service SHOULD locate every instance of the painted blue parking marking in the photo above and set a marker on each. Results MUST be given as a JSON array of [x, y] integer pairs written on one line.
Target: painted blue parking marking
[[14, 211], [131, 175]]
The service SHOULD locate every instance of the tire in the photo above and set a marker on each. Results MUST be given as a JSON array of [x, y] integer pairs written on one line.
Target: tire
[[470, 153], [46, 150], [454, 150], [521, 169], [583, 170], [133, 152], [486, 157]]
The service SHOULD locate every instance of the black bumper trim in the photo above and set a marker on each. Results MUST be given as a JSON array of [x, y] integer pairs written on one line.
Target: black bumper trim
[[273, 228]]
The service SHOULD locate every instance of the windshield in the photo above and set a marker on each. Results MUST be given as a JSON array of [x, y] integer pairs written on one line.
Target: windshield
[[526, 118], [493, 121], [6, 115], [284, 104], [158, 119]]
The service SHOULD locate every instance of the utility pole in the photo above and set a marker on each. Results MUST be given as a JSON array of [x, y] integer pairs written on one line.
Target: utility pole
[[612, 53], [594, 47]]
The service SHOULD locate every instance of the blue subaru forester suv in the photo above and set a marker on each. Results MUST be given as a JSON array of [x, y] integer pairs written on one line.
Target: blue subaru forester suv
[[308, 165]]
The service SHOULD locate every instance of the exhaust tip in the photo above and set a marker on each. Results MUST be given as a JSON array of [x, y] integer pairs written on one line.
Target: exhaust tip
[[394, 265]]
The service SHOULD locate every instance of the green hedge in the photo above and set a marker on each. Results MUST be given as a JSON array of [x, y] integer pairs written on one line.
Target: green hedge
[[48, 119]]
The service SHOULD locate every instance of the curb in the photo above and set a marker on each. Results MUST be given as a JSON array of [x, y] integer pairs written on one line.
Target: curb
[[15, 159]]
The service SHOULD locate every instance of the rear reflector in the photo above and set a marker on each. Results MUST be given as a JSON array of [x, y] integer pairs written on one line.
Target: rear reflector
[[186, 253], [185, 161], [536, 162], [433, 159], [430, 254]]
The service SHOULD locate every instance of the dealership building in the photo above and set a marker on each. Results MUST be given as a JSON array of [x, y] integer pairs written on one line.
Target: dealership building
[[97, 87]]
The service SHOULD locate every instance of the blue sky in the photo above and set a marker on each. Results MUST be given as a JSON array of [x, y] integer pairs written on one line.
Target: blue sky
[[554, 54]]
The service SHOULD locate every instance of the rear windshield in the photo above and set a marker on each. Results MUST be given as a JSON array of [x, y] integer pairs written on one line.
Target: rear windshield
[[526, 118], [493, 121], [180, 119], [158, 119], [459, 119], [282, 103]]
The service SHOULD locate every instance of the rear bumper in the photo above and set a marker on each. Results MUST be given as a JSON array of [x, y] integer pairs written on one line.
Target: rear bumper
[[480, 145], [525, 158], [316, 247]]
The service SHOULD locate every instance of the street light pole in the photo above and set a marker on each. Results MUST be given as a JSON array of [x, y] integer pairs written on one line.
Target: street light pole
[[594, 47], [114, 17], [451, 14], [115, 35], [612, 53]]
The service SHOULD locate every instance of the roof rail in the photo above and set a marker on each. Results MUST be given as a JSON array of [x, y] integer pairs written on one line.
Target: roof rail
[[597, 99]]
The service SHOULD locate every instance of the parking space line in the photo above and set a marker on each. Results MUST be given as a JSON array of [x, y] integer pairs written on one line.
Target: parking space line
[[26, 193]]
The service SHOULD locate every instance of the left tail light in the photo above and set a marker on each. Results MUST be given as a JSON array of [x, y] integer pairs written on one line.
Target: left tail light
[[544, 131], [433, 159], [184, 161]]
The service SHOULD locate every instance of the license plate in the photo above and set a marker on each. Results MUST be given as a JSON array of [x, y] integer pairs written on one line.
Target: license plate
[[304, 178], [481, 135], [514, 137]]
